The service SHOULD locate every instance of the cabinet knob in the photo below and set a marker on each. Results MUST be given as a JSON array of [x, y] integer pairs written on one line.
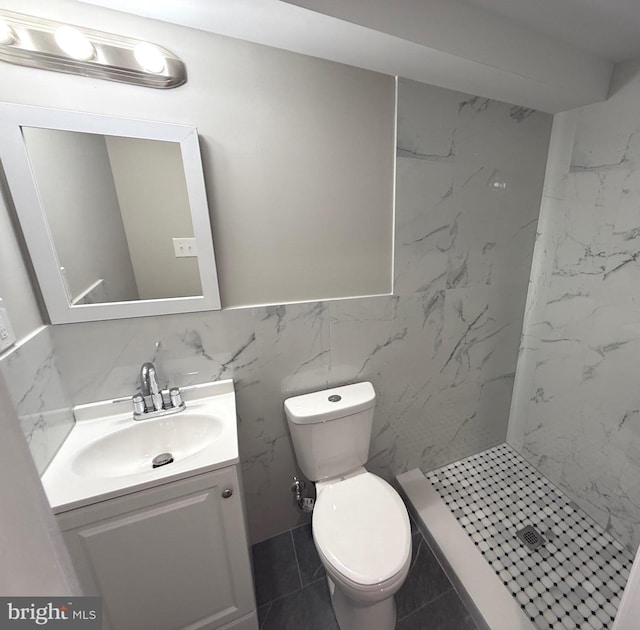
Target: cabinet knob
[[226, 493]]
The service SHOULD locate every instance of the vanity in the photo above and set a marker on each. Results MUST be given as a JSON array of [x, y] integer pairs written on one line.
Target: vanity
[[165, 547]]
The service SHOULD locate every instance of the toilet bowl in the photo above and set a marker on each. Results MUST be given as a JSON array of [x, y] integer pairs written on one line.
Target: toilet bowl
[[363, 537], [360, 525]]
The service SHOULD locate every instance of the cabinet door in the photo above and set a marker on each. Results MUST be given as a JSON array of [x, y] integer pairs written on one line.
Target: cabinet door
[[170, 558]]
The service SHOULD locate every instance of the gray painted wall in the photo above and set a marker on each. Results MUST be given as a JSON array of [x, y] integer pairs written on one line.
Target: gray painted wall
[[297, 153], [16, 291]]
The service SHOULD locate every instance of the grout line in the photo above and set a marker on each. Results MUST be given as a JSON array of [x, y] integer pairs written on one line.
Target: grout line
[[425, 549], [291, 593], [295, 555], [435, 555], [316, 580], [414, 560], [435, 599], [264, 619], [297, 588]]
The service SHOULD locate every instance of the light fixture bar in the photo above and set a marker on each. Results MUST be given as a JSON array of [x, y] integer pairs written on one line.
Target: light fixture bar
[[49, 45]]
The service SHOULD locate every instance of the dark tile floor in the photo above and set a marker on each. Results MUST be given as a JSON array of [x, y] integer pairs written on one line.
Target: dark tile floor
[[292, 592]]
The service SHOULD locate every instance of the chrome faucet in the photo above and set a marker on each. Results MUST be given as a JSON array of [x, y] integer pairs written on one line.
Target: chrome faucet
[[149, 385], [152, 401]]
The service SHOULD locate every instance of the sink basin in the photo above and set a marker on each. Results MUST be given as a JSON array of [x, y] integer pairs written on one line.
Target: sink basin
[[108, 454], [131, 450]]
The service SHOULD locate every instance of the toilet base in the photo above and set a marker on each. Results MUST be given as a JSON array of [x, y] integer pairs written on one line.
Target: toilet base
[[353, 615]]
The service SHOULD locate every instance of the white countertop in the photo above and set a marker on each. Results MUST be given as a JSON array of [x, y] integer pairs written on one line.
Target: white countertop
[[69, 485]]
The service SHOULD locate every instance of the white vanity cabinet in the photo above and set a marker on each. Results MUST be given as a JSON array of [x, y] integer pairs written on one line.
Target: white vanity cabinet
[[172, 557]]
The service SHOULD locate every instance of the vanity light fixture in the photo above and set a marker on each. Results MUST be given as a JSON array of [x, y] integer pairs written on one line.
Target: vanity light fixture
[[150, 57], [49, 45], [74, 43]]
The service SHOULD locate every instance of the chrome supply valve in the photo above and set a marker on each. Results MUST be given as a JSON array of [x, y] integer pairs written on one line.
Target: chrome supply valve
[[304, 504], [297, 487]]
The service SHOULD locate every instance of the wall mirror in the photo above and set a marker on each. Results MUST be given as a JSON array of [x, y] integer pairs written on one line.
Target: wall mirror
[[113, 211]]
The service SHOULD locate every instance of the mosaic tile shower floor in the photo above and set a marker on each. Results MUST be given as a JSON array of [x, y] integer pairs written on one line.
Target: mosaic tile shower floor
[[576, 579]]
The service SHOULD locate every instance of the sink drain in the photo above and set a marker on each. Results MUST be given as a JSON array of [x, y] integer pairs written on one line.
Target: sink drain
[[162, 460]]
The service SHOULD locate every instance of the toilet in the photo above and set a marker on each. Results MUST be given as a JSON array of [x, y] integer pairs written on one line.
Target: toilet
[[360, 525]]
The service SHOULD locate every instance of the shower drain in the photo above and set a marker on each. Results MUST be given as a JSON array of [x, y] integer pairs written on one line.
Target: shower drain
[[531, 537]]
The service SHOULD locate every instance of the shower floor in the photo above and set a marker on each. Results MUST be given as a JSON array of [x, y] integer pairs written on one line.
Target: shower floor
[[575, 579]]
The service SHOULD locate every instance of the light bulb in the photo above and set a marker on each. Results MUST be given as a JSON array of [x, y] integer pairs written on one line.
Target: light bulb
[[149, 57], [6, 33], [74, 43]]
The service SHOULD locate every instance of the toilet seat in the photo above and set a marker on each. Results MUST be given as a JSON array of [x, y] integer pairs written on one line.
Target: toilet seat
[[366, 592], [361, 529]]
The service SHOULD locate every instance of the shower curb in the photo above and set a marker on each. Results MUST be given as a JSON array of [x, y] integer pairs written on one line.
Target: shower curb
[[485, 596]]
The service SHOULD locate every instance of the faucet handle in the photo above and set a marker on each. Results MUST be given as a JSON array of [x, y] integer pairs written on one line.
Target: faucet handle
[[176, 397], [138, 404]]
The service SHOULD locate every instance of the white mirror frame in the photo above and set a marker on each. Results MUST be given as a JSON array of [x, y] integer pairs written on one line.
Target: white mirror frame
[[35, 228]]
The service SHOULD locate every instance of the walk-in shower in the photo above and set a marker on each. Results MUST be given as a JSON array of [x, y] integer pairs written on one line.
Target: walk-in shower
[[561, 569]]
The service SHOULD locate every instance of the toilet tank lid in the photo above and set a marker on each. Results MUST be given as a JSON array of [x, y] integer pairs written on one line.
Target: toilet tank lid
[[330, 404]]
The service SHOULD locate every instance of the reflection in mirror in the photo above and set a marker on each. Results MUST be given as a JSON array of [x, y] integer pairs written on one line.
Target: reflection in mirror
[[114, 205], [113, 211]]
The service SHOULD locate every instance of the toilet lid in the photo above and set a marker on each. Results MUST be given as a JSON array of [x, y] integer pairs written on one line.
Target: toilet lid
[[361, 527]]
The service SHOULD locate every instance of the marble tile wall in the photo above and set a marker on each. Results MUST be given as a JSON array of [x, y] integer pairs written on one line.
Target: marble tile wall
[[469, 181], [440, 351], [576, 413], [34, 384]]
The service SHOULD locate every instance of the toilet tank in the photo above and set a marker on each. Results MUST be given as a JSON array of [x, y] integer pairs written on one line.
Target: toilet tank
[[331, 429]]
